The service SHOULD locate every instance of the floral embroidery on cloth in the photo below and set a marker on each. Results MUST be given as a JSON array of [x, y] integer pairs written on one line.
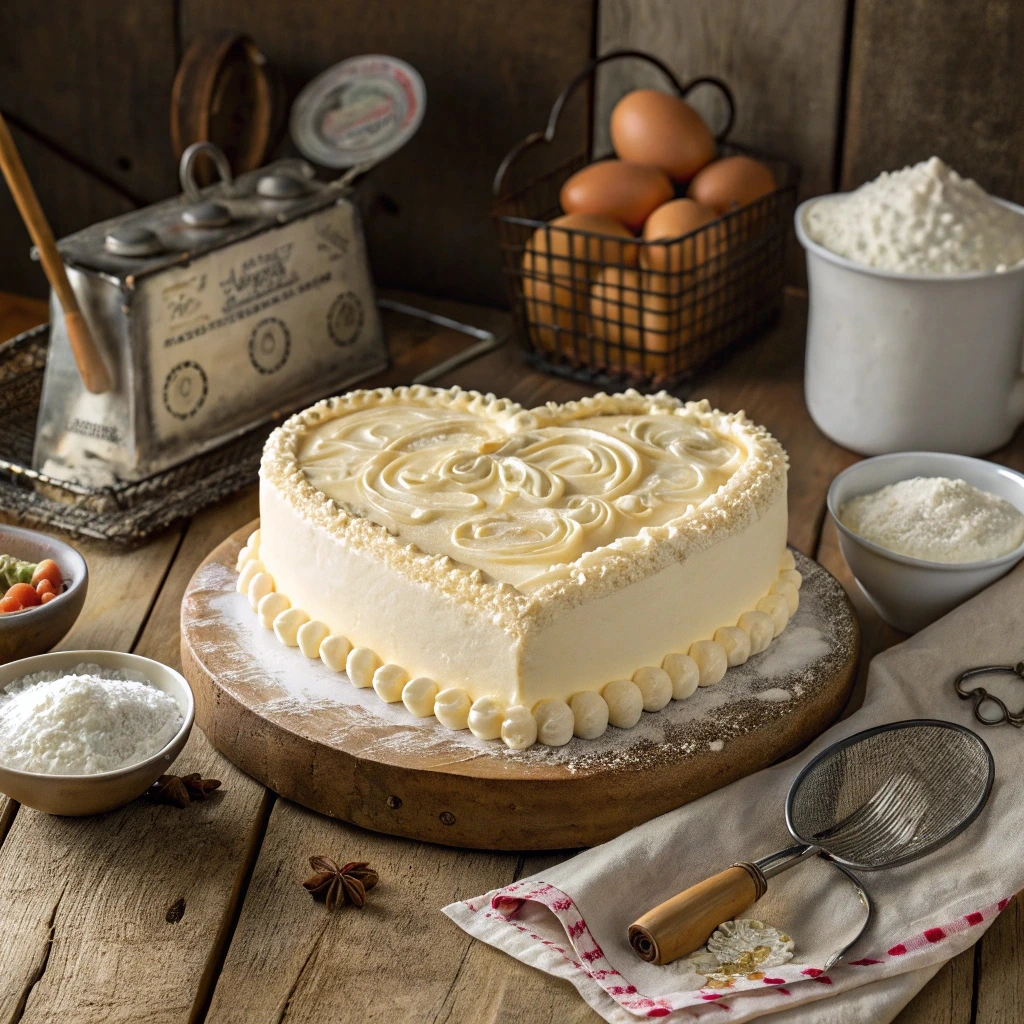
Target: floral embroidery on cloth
[[743, 948]]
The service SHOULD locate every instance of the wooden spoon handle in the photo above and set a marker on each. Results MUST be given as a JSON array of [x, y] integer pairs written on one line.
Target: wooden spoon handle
[[684, 923], [87, 355]]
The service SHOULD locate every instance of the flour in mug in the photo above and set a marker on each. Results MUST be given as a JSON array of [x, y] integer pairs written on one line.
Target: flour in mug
[[86, 720], [925, 219]]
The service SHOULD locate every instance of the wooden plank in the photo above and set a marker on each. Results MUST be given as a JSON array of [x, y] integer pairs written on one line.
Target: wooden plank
[[494, 988], [492, 72], [942, 79], [946, 999], [122, 588], [71, 199], [1000, 981], [783, 63], [396, 959], [95, 79], [86, 903]]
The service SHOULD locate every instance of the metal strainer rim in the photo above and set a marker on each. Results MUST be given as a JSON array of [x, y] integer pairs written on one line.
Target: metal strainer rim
[[864, 734]]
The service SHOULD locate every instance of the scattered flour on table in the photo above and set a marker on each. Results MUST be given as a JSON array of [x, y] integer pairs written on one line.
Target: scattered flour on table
[[84, 721], [925, 219], [936, 519]]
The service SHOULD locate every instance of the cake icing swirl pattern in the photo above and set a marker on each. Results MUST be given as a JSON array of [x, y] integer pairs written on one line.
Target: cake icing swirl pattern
[[514, 504]]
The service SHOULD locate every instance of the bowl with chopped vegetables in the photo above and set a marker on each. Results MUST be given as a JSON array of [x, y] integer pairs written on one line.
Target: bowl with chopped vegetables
[[43, 582]]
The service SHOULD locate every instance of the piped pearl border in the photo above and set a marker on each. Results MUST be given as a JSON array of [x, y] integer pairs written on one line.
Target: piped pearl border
[[554, 722]]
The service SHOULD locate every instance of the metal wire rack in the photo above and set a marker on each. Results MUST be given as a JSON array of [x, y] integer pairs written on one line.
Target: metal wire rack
[[608, 310]]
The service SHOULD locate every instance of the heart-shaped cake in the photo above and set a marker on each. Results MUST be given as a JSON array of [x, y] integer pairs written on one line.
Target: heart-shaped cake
[[528, 574]]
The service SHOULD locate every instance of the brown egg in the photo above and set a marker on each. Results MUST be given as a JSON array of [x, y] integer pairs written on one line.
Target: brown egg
[[625, 192], [634, 322], [675, 219], [555, 311], [731, 182], [548, 251], [654, 128]]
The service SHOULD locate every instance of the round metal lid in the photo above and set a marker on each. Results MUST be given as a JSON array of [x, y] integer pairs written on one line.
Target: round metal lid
[[132, 240], [358, 111]]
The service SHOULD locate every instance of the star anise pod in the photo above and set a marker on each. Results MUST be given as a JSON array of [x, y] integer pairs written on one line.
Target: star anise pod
[[169, 789], [198, 787], [346, 884], [180, 792]]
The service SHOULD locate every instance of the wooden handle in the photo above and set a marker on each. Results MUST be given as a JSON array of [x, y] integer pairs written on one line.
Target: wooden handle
[[684, 923], [87, 355]]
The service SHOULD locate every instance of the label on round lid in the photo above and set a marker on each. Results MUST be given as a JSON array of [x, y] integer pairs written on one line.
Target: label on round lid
[[358, 111]]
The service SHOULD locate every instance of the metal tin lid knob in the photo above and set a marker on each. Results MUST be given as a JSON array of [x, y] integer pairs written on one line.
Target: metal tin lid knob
[[207, 214], [281, 186], [132, 240]]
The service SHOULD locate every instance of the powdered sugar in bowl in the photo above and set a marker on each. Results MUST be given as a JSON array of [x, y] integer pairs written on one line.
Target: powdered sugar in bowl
[[908, 592], [916, 314], [84, 732]]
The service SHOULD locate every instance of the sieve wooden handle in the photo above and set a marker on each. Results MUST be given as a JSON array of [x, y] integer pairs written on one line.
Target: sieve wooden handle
[[87, 356], [685, 922]]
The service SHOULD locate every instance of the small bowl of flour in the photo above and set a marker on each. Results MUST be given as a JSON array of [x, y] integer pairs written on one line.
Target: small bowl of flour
[[84, 732], [924, 531]]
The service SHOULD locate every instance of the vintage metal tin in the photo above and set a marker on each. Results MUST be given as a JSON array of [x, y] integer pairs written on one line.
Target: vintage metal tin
[[220, 330]]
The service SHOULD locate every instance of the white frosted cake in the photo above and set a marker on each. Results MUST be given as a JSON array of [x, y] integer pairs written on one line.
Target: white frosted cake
[[527, 574]]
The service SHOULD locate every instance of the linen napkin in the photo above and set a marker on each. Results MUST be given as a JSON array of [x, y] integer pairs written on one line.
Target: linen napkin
[[571, 920]]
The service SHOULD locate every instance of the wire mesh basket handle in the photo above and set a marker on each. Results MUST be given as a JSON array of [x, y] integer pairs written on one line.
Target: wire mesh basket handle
[[587, 73]]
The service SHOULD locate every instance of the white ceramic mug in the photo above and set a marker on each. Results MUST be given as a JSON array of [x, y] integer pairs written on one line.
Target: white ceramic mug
[[908, 361]]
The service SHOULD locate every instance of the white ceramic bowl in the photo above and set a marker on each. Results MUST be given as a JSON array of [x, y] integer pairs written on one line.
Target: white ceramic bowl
[[34, 630], [80, 795], [909, 593]]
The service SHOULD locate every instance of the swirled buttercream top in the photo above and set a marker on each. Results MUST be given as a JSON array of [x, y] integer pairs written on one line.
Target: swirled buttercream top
[[521, 494]]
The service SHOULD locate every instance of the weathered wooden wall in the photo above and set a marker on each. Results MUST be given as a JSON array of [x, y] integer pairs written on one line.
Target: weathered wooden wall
[[938, 77], [846, 88]]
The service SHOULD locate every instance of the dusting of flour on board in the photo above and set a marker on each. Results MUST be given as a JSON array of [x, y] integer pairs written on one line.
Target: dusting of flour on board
[[283, 685]]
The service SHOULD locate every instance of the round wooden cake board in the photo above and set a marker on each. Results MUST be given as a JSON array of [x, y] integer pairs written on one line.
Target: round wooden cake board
[[308, 734]]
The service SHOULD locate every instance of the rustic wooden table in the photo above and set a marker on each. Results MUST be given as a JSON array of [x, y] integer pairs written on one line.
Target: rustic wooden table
[[164, 915]]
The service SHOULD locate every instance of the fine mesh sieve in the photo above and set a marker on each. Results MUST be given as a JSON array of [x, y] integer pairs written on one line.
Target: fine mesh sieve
[[876, 799], [892, 794]]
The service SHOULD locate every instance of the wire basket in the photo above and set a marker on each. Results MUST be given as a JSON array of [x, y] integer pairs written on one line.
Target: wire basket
[[610, 311]]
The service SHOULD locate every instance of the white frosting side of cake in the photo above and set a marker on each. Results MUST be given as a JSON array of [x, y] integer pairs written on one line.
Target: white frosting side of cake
[[570, 550], [405, 621]]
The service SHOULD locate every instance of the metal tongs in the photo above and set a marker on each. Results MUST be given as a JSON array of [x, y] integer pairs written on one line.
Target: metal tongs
[[982, 697]]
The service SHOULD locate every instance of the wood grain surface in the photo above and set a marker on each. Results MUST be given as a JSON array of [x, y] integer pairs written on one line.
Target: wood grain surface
[[83, 905], [937, 78], [95, 78]]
